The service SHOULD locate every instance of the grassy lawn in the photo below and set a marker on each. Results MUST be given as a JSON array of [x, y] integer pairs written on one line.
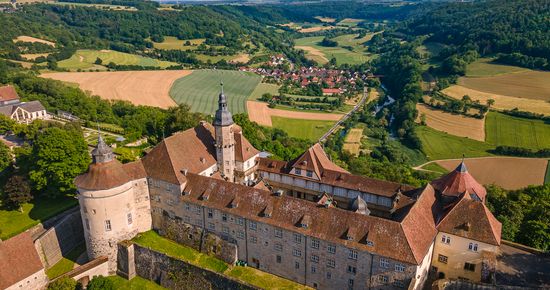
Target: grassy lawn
[[439, 145], [13, 222], [84, 59], [263, 88], [484, 68], [152, 240], [506, 130], [255, 277], [136, 283], [173, 43], [201, 88], [66, 264], [305, 129], [435, 167], [342, 55]]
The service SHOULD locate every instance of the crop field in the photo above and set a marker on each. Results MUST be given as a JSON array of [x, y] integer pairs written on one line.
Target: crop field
[[260, 113], [173, 43], [322, 54], [457, 125], [149, 88], [304, 129], [351, 40], [501, 102], [201, 88], [84, 59], [518, 173], [263, 88], [24, 38], [352, 142], [439, 145], [325, 19], [483, 67], [349, 22], [520, 132]]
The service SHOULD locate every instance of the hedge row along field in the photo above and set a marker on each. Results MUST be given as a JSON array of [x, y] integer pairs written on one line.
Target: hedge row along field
[[201, 88]]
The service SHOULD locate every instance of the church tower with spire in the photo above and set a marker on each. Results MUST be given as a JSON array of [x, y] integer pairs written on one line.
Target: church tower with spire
[[225, 140]]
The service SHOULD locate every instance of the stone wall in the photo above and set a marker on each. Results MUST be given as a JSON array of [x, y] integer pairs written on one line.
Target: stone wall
[[58, 237], [170, 272], [197, 238]]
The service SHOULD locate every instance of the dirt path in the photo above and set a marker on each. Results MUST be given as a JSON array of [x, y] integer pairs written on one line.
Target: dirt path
[[261, 114], [150, 88]]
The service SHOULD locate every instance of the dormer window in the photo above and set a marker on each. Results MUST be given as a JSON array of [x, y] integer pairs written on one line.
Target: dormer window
[[309, 173], [298, 171]]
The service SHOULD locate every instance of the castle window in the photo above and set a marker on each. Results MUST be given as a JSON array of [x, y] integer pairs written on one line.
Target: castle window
[[198, 209], [309, 173], [297, 238], [298, 171], [252, 225], [240, 221], [296, 253], [398, 283], [279, 259], [370, 243], [87, 224], [399, 268], [224, 217], [445, 239], [352, 254], [470, 267], [384, 263], [352, 270], [211, 226], [331, 263], [383, 279], [350, 283], [472, 247], [107, 225], [296, 265], [442, 259], [225, 230], [129, 217], [315, 258], [187, 206], [331, 249], [210, 213], [240, 234], [313, 269], [315, 244], [278, 247], [253, 239], [278, 233], [329, 275]]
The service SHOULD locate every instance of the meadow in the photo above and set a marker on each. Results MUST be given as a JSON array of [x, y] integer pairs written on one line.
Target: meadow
[[173, 43], [304, 129], [85, 59], [263, 88], [484, 67], [201, 88], [352, 142], [504, 130], [440, 145], [455, 124], [322, 54]]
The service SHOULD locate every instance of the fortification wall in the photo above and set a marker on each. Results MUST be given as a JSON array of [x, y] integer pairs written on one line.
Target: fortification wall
[[170, 272], [58, 237]]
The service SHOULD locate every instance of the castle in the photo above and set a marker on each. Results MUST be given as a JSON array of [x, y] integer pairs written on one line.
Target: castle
[[307, 220]]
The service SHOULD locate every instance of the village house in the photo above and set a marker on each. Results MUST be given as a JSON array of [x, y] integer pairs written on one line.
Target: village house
[[22, 112]]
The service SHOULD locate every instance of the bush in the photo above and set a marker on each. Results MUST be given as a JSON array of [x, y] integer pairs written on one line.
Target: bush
[[100, 283], [64, 283]]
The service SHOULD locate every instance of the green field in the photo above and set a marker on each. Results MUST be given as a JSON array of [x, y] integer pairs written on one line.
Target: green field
[[13, 222], [483, 67], [201, 88], [84, 59], [349, 22], [66, 263], [304, 129], [342, 55], [174, 43], [137, 283], [263, 88], [506, 130], [439, 145]]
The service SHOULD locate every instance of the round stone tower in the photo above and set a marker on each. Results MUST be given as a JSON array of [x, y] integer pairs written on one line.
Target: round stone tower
[[106, 198]]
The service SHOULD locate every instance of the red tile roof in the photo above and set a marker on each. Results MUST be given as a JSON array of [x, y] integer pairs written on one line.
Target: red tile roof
[[331, 91], [19, 260], [101, 176], [8, 93], [458, 182], [243, 149], [403, 241], [316, 160]]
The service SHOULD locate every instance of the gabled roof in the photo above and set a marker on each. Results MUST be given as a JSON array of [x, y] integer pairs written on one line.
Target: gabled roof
[[8, 93], [458, 182], [7, 110], [315, 159], [471, 219], [19, 259], [392, 239], [32, 106], [243, 149]]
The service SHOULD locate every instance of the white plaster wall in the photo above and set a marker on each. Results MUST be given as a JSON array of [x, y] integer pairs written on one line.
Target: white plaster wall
[[36, 281], [423, 269]]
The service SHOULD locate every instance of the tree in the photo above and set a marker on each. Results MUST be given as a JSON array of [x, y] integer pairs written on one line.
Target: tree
[[5, 157], [98, 61], [58, 156], [100, 283], [490, 102], [64, 283], [17, 191]]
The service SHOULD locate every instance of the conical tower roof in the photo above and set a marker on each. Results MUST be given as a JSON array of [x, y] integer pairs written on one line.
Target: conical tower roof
[[103, 152], [459, 182]]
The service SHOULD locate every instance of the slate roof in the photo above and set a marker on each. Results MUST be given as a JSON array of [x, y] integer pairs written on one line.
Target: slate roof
[[32, 106], [8, 93], [19, 260], [7, 110], [407, 241]]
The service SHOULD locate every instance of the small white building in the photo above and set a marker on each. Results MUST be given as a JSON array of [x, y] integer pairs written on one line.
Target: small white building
[[23, 112]]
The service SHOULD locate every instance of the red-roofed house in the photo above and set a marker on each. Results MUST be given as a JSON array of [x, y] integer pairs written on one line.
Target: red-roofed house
[[330, 92], [20, 265]]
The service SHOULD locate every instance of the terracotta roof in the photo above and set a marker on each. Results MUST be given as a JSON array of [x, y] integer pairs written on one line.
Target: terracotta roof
[[341, 179], [471, 219], [331, 91], [316, 160], [104, 175], [19, 260], [191, 150], [8, 93], [458, 182], [243, 149], [389, 238]]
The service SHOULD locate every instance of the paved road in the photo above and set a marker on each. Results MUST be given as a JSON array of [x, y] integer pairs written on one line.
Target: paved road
[[345, 117]]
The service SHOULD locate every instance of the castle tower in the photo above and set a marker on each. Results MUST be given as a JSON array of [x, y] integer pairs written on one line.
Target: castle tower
[[111, 204], [225, 141]]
